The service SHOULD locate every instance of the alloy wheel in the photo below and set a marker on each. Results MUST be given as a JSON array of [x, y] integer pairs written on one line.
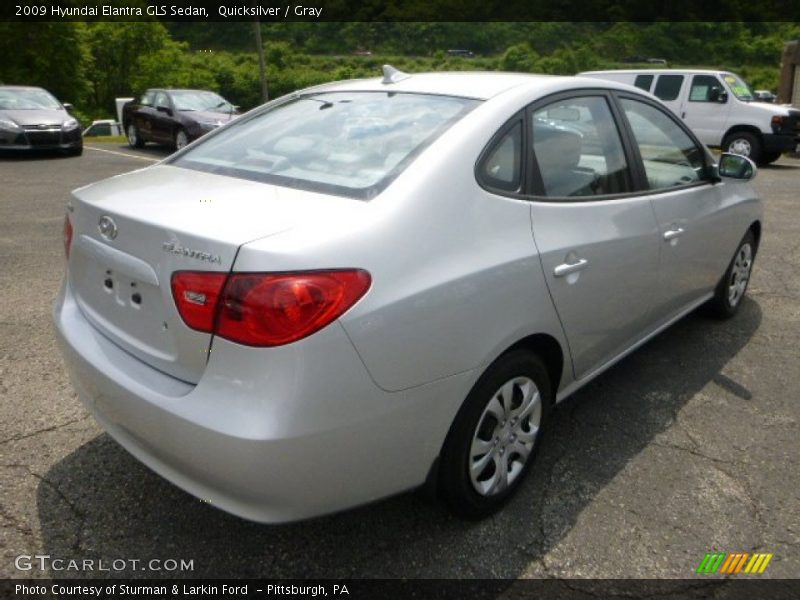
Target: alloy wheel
[[740, 274]]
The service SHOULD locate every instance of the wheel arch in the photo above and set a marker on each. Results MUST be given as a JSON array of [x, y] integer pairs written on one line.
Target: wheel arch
[[740, 129], [549, 350], [755, 227]]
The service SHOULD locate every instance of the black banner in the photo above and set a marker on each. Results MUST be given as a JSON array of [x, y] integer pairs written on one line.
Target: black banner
[[374, 589], [398, 10]]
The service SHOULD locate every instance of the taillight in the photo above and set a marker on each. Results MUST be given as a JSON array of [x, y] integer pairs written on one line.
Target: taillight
[[67, 235], [267, 309], [197, 296]]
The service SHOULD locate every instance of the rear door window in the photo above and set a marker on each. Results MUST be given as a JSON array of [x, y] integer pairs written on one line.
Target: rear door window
[[668, 87], [578, 149]]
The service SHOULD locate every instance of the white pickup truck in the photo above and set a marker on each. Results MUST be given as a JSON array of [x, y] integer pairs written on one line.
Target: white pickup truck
[[720, 108]]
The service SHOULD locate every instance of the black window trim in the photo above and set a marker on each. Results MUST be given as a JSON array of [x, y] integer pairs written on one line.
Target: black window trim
[[519, 193], [631, 140]]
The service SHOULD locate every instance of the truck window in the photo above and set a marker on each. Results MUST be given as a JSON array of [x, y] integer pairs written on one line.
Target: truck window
[[644, 82], [668, 87], [701, 88]]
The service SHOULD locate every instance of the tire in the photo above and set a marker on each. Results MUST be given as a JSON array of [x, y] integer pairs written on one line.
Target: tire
[[503, 415], [180, 139], [744, 143], [134, 136], [733, 285], [768, 158]]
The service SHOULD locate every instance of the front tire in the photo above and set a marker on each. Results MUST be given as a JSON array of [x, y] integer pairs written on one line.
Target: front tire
[[744, 143], [767, 158], [733, 285], [134, 136], [493, 440], [181, 139]]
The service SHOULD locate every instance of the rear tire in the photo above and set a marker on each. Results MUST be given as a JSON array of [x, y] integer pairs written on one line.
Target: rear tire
[[134, 136], [768, 158], [732, 287], [494, 438], [743, 143]]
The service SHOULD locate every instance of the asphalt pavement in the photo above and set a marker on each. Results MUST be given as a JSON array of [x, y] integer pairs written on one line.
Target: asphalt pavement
[[688, 446]]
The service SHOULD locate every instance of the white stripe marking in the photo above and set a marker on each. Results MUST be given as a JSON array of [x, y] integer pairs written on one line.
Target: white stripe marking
[[123, 154]]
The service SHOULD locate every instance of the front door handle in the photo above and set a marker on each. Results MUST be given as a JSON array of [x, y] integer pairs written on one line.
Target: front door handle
[[673, 233], [567, 268]]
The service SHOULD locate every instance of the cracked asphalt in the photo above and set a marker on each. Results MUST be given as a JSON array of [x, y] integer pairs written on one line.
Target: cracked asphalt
[[689, 445]]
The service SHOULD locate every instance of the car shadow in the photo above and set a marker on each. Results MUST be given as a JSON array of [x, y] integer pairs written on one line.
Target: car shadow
[[29, 155], [100, 503]]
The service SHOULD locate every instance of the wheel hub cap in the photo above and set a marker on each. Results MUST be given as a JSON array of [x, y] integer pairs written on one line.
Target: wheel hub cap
[[505, 435], [740, 274]]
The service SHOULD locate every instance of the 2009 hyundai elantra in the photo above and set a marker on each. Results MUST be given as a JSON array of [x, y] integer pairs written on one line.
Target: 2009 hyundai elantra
[[370, 285]]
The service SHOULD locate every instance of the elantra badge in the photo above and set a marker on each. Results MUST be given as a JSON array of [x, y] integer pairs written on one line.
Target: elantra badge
[[107, 228]]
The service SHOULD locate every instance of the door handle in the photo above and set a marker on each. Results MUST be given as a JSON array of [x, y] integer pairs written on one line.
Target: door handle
[[673, 233], [567, 268]]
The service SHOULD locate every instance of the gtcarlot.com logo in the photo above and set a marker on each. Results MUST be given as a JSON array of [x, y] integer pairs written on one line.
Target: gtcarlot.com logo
[[46, 562]]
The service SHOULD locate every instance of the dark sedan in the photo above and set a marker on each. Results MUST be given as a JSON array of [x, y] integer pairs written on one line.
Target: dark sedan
[[32, 119], [174, 117]]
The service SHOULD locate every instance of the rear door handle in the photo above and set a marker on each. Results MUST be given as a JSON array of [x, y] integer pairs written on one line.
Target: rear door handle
[[673, 233], [567, 268]]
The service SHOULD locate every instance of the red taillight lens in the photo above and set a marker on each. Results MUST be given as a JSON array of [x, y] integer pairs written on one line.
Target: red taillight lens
[[266, 309], [263, 309], [196, 295], [67, 235]]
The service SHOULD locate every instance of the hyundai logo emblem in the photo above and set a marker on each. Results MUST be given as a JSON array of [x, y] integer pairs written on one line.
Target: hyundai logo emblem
[[107, 227]]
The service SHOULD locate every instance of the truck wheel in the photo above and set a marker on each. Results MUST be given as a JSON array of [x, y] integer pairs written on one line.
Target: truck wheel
[[744, 143], [768, 158]]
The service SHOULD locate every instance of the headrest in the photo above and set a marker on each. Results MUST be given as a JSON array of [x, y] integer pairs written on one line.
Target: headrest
[[556, 148]]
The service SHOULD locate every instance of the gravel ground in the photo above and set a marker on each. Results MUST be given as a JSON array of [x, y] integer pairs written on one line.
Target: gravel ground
[[687, 446]]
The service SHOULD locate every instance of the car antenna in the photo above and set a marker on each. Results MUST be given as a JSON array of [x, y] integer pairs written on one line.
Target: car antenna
[[392, 75]]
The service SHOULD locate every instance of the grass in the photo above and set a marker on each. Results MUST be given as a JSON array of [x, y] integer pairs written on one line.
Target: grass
[[106, 139]]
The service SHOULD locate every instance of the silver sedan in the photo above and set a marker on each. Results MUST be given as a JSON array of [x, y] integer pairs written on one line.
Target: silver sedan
[[372, 285]]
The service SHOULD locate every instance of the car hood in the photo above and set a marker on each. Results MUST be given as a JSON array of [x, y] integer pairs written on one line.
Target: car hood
[[36, 117], [771, 109]]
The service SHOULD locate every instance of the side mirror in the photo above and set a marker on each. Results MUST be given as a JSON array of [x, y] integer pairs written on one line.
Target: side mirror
[[735, 166], [164, 109], [68, 107], [722, 97]]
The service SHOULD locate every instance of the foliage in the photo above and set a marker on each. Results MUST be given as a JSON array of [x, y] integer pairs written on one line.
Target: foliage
[[89, 64]]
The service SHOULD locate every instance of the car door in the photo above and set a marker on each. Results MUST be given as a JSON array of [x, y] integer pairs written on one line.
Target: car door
[[596, 236], [694, 230], [703, 111], [163, 119], [143, 115]]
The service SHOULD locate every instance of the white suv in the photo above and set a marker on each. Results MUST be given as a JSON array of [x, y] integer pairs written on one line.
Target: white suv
[[720, 108]]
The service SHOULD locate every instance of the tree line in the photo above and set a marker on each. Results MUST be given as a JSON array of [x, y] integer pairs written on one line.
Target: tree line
[[89, 64]]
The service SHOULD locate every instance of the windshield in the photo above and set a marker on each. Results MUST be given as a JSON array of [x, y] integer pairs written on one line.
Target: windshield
[[33, 99], [739, 88], [200, 101], [351, 144]]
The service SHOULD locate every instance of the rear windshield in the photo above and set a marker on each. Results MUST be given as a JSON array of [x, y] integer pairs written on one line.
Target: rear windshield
[[345, 143]]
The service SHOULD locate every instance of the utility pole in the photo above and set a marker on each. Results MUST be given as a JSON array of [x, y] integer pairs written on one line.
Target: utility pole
[[262, 66]]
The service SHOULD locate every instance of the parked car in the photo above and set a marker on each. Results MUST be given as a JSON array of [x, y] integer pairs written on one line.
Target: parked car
[[103, 128], [174, 117], [764, 96], [374, 284], [719, 107], [32, 119]]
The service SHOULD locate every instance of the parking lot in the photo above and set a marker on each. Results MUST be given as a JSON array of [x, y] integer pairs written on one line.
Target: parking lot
[[688, 446]]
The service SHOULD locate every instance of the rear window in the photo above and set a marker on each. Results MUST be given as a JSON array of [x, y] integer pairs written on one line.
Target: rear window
[[668, 87], [345, 143]]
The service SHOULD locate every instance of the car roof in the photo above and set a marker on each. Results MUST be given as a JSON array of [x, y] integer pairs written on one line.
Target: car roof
[[21, 87], [656, 71], [480, 85]]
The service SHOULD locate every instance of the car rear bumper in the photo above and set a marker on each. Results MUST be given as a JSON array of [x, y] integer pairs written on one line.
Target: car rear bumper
[[307, 433]]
